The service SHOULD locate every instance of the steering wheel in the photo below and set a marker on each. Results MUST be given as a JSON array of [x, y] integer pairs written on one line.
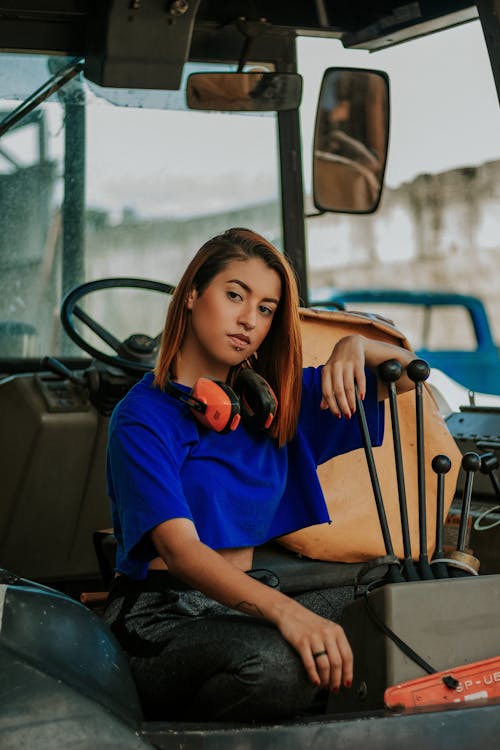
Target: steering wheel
[[137, 353]]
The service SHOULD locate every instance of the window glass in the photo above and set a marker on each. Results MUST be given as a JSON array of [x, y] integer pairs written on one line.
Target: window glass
[[153, 184], [427, 327], [30, 200], [438, 224]]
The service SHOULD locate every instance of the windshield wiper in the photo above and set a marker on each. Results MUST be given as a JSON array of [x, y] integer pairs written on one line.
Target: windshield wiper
[[50, 87]]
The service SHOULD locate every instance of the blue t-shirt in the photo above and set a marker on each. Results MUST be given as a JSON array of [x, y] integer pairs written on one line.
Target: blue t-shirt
[[240, 489]]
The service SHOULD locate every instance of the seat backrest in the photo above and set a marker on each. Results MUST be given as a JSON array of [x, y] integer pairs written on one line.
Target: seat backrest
[[355, 535]]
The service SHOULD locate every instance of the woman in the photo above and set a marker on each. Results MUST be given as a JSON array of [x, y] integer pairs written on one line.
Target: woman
[[206, 638]]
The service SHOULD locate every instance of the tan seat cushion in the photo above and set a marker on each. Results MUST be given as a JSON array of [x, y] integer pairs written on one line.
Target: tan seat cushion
[[355, 533]]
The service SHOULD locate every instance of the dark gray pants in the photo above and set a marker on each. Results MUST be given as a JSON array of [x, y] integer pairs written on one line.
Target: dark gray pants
[[194, 659]]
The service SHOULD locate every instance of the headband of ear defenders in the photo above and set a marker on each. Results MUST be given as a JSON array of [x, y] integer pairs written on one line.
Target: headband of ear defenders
[[212, 402], [258, 403], [216, 406]]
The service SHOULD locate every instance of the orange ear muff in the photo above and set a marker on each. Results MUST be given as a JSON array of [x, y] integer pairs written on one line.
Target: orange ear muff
[[221, 405], [258, 402], [213, 403]]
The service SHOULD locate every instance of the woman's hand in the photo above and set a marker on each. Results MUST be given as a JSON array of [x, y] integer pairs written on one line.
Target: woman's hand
[[345, 366], [321, 644]]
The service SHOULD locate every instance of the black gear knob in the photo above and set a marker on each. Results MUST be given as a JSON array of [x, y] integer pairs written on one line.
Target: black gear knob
[[390, 371], [441, 464], [471, 462], [489, 462], [418, 370]]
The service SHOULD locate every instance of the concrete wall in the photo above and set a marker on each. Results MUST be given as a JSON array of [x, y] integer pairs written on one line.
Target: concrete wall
[[166, 245], [437, 232], [158, 249]]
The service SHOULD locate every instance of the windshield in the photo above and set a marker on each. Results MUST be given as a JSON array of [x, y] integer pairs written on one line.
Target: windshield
[[152, 184]]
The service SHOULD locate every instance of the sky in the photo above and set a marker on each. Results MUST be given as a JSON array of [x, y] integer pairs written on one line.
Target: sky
[[444, 108]]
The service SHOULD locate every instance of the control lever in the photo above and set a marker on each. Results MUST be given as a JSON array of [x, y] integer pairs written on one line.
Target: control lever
[[441, 465], [418, 370], [460, 562], [389, 372], [489, 462], [394, 575], [58, 368]]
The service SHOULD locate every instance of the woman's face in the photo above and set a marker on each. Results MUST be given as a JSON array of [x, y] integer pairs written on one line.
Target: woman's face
[[231, 317]]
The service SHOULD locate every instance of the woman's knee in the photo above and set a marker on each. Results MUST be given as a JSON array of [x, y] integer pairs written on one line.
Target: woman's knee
[[283, 688], [266, 686]]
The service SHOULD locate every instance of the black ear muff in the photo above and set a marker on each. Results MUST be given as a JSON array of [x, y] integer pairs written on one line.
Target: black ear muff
[[214, 404], [258, 403]]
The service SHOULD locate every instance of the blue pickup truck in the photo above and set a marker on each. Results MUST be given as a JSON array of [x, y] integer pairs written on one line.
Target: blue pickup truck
[[430, 318]]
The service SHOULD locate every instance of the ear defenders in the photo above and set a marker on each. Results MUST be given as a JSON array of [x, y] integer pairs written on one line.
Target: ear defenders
[[218, 407], [258, 402]]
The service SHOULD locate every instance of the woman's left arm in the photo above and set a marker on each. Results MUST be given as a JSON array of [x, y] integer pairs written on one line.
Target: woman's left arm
[[346, 365]]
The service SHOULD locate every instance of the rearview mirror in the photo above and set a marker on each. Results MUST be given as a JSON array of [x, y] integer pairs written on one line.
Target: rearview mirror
[[244, 92], [351, 140]]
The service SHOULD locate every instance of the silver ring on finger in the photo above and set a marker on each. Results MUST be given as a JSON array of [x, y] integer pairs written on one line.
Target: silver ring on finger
[[317, 654]]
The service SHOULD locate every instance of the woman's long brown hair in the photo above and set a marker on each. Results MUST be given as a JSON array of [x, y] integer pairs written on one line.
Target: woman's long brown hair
[[279, 358]]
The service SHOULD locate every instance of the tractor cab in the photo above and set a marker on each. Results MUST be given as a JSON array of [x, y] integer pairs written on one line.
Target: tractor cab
[[130, 132]]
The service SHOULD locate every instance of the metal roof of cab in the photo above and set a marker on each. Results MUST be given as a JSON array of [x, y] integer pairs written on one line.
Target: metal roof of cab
[[64, 26]]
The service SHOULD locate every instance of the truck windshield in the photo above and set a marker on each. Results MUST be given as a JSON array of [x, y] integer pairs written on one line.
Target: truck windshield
[[155, 183]]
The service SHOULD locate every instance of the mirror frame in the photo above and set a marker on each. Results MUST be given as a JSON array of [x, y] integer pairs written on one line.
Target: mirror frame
[[319, 204], [223, 105]]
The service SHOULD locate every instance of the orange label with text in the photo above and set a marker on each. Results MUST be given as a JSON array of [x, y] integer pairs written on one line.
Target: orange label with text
[[477, 681]]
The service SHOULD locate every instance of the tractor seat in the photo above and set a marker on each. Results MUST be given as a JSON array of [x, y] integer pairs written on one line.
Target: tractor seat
[[296, 573]]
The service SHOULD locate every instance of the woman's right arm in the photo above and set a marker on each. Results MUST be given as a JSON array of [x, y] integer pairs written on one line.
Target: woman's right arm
[[177, 542]]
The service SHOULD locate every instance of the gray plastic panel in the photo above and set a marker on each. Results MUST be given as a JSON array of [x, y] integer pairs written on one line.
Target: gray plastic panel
[[447, 622], [53, 480]]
